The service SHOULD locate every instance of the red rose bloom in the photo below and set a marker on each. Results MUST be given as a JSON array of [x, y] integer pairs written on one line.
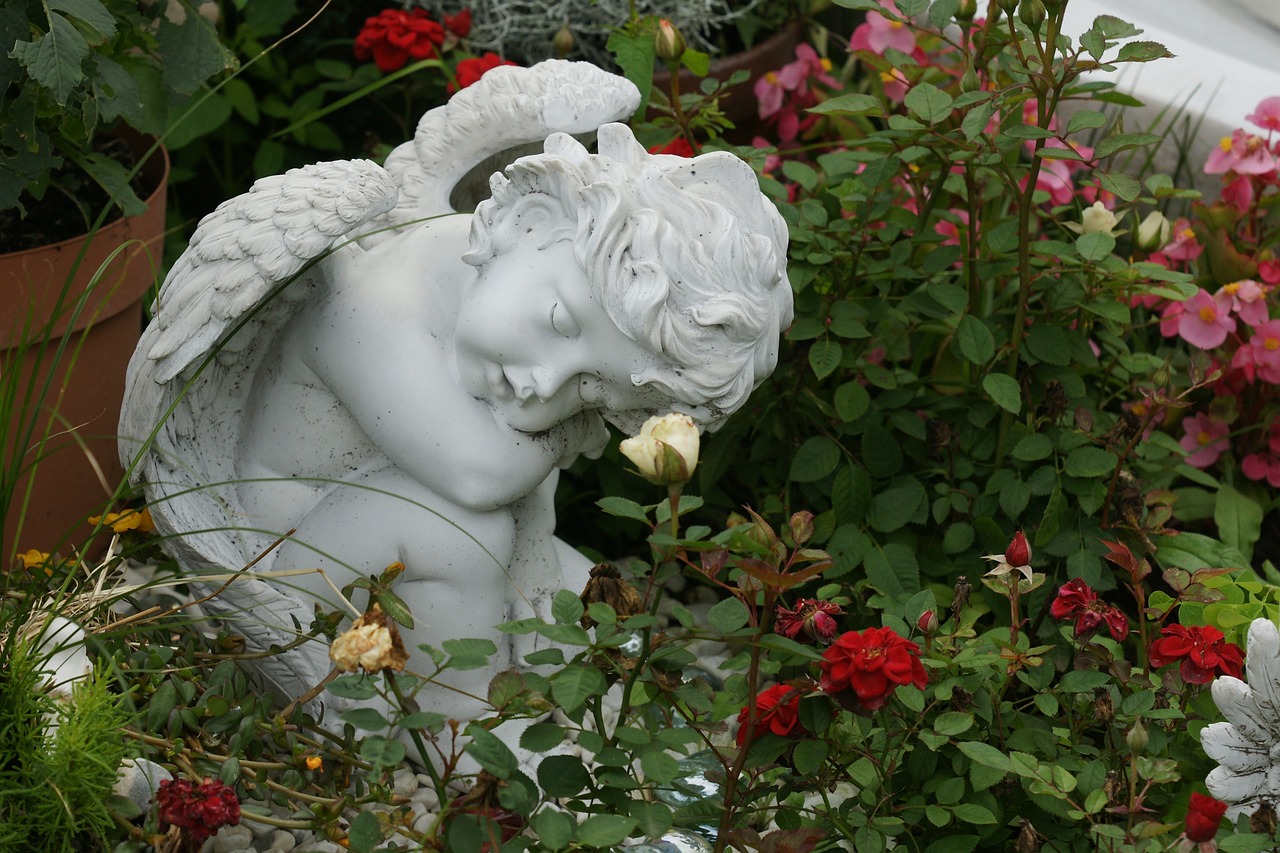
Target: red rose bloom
[[1204, 814], [471, 70], [394, 36], [199, 809], [459, 24], [1201, 651], [809, 620], [777, 711], [679, 146], [1077, 601], [871, 665]]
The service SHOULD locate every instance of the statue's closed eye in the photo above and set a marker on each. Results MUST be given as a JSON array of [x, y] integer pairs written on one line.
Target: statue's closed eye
[[562, 321]]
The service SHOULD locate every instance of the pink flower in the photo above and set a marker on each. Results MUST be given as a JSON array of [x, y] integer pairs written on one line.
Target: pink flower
[[1269, 271], [1183, 245], [895, 84], [1206, 320], [1241, 153], [878, 33], [795, 75], [1205, 439], [771, 160], [770, 93], [1239, 193], [1267, 114], [1170, 317], [1248, 300], [1261, 353], [1265, 465], [950, 230]]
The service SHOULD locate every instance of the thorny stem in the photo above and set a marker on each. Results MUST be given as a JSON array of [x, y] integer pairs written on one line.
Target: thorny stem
[[418, 743]]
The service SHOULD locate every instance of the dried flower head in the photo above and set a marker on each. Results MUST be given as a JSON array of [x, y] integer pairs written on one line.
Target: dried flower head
[[199, 809], [607, 586], [372, 643], [808, 620]]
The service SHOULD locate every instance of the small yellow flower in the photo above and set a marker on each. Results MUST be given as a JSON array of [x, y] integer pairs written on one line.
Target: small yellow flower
[[34, 559], [130, 519], [314, 762]]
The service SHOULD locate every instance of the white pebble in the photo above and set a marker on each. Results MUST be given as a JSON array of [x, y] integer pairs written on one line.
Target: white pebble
[[425, 799], [406, 782], [281, 842], [231, 839]]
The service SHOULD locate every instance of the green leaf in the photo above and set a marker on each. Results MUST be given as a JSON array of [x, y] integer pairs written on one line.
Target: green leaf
[[566, 607], [728, 615], [1031, 448], [364, 832], [541, 737], [659, 767], [1089, 462], [1142, 51], [192, 53], [395, 608], [977, 119], [975, 340], [1095, 246], [562, 775], [1085, 120], [985, 754], [490, 752], [808, 756], [896, 504], [1123, 141], [554, 829], [605, 830], [698, 62], [801, 173], [1004, 391], [382, 751], [623, 508], [785, 646], [850, 105], [1193, 551], [652, 819], [852, 401], [369, 719], [952, 723], [54, 59], [1239, 519], [974, 813], [355, 686], [824, 357], [815, 459], [928, 102], [91, 13], [1083, 680], [1124, 186], [893, 569], [572, 686], [1049, 343], [1059, 154]]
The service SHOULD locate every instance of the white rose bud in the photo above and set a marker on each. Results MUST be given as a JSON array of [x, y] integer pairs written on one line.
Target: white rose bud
[[666, 450], [1098, 219], [1154, 231]]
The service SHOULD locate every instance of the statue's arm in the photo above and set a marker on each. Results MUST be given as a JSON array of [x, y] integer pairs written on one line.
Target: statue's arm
[[379, 359]]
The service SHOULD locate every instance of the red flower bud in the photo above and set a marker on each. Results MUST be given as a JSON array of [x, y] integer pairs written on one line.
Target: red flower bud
[[928, 622], [1204, 814], [1019, 552]]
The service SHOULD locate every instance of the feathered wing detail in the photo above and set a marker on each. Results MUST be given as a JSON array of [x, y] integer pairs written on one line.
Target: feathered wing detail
[[242, 277], [509, 112], [1247, 745]]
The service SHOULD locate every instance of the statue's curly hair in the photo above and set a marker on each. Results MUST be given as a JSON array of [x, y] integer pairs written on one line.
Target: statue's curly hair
[[686, 255]]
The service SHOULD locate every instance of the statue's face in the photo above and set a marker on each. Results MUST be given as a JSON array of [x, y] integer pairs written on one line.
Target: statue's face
[[535, 343]]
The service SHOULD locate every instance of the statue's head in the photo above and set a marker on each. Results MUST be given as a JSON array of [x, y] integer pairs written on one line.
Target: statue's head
[[684, 255]]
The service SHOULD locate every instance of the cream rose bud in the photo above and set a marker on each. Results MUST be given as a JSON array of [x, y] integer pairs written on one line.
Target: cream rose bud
[[1154, 231], [1098, 219], [666, 450]]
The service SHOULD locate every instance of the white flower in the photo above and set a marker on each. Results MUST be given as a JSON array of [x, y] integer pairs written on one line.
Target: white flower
[[1154, 231], [1247, 746], [1096, 219], [666, 450]]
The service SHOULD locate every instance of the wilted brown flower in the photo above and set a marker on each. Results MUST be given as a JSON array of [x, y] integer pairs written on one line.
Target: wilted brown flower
[[1263, 820], [372, 643], [607, 586], [1028, 838]]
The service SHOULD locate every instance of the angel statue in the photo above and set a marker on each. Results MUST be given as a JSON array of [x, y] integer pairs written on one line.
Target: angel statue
[[344, 354]]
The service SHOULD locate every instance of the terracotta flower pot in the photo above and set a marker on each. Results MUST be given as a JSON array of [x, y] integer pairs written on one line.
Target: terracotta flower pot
[[740, 104], [72, 473]]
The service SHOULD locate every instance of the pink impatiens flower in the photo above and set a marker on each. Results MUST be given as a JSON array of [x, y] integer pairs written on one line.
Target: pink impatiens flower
[[1248, 300], [1206, 320], [1265, 465], [878, 33], [1261, 355], [1205, 439], [1241, 153]]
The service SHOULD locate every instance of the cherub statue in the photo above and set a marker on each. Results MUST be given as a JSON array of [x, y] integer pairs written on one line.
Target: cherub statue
[[342, 355]]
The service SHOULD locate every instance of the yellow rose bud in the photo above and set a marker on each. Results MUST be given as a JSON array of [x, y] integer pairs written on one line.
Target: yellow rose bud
[[666, 450], [1154, 231]]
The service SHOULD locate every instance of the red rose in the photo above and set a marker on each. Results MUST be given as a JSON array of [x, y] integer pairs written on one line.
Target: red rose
[[199, 809], [459, 24], [394, 36], [777, 711], [1075, 600], [1204, 814], [1019, 552], [1201, 650], [471, 70], [809, 620], [871, 664], [679, 146]]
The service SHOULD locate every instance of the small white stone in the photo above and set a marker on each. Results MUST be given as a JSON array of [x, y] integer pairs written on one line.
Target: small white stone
[[424, 822], [138, 780], [406, 782], [425, 799], [282, 842], [231, 839]]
